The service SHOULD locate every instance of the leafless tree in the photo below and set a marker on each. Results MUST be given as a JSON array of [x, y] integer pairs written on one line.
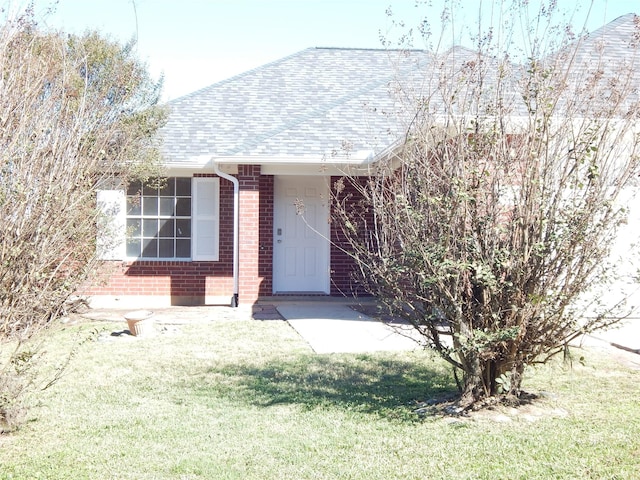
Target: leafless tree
[[75, 112], [492, 222]]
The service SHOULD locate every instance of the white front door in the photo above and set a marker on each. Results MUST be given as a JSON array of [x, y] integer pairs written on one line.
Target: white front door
[[301, 235]]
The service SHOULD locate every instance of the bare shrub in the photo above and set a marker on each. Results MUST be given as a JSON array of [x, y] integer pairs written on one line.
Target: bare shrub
[[75, 112], [492, 222]]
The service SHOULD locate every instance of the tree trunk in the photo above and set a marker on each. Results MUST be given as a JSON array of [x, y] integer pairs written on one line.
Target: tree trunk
[[474, 388], [481, 380]]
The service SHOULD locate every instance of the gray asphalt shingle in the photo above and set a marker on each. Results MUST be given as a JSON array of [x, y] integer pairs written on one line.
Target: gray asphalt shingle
[[317, 101], [310, 103]]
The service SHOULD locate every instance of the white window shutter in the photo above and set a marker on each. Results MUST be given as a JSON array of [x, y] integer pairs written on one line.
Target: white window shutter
[[110, 243], [205, 220]]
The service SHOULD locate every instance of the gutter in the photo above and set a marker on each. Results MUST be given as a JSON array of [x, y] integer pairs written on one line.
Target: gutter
[[236, 230], [360, 157]]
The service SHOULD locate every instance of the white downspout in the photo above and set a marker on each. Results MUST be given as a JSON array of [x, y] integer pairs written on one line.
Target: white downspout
[[236, 232]]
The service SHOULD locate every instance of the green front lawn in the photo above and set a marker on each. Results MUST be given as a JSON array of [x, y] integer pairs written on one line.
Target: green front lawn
[[249, 400]]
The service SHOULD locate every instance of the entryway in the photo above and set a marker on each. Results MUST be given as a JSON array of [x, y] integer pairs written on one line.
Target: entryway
[[301, 235]]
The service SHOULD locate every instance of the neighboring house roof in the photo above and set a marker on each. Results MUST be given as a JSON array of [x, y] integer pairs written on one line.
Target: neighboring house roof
[[303, 107], [619, 38], [597, 73]]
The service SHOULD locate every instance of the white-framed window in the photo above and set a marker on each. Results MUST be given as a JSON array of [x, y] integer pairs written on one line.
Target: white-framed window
[[175, 219], [159, 219]]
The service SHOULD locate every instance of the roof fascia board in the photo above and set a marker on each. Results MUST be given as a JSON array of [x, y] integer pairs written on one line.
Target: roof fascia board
[[188, 170]]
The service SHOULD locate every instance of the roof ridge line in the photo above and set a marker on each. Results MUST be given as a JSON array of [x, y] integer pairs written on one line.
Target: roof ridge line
[[287, 57], [608, 27], [371, 49]]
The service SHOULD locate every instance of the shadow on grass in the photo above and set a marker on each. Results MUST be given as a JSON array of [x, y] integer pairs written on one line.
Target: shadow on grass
[[372, 384]]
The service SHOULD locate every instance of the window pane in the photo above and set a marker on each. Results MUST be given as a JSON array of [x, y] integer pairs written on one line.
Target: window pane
[[134, 229], [133, 247], [133, 205], [183, 187], [166, 228], [150, 189], [158, 218], [166, 248], [183, 228], [183, 207], [150, 248], [134, 188], [150, 206], [167, 206], [168, 187], [183, 248], [150, 227]]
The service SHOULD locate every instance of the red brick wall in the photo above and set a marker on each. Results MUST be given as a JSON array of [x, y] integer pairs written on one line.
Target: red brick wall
[[250, 280], [342, 265], [265, 262], [200, 279], [176, 278]]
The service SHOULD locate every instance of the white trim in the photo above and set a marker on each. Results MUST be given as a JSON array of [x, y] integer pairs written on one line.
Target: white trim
[[360, 157], [229, 163], [189, 169], [205, 224]]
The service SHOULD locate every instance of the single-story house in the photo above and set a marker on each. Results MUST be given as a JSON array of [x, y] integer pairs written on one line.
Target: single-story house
[[244, 157], [245, 212]]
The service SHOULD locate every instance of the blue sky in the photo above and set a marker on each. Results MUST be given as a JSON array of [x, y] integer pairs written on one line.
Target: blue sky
[[199, 42]]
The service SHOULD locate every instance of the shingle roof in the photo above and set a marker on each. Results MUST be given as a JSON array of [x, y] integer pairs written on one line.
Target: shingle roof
[[620, 38], [308, 105], [602, 68], [305, 105]]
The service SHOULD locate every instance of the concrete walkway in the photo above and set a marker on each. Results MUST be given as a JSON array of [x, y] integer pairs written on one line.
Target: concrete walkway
[[335, 327], [330, 327], [623, 340]]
